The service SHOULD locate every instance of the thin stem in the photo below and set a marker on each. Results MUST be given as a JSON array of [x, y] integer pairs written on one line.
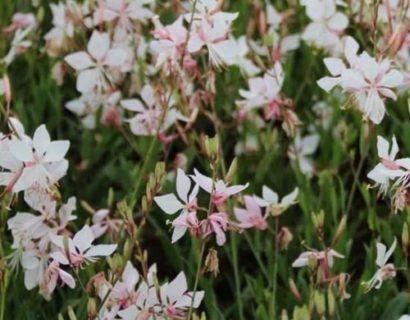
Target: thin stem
[[356, 179], [275, 266], [257, 258], [198, 273]]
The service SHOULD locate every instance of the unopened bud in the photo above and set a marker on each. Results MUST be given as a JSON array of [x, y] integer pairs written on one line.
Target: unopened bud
[[71, 313], [343, 278], [87, 207], [7, 89], [285, 237], [312, 262], [110, 198], [284, 315], [320, 303], [212, 148], [331, 302], [405, 238], [301, 313], [294, 290], [212, 262], [91, 308], [340, 229], [318, 220], [232, 170]]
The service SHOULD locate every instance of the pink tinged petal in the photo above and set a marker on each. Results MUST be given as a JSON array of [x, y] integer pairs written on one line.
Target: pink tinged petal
[[28, 261], [83, 239], [195, 43], [334, 65], [387, 93], [59, 257], [300, 262], [383, 148], [309, 144], [31, 279], [17, 125], [169, 203], [242, 216], [116, 57], [183, 185], [101, 250], [79, 60], [56, 151], [26, 180], [130, 275], [290, 43], [381, 252], [328, 83], [394, 148], [176, 288], [369, 66], [6, 178], [351, 49], [178, 233], [66, 278], [390, 252], [204, 182], [21, 150], [133, 105], [338, 22], [404, 162], [374, 107], [199, 296], [352, 80], [131, 313], [392, 79], [98, 45], [290, 198], [41, 140], [269, 195], [236, 189], [9, 162], [252, 206], [87, 80]]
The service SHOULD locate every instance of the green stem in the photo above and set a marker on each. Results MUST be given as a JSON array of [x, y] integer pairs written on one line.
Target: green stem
[[234, 247], [142, 172], [257, 258], [275, 267], [198, 273]]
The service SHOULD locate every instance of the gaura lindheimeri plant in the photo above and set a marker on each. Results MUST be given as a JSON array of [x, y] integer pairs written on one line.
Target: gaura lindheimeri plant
[[111, 104]]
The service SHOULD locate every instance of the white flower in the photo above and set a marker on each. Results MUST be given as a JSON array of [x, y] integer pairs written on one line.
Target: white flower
[[175, 299], [303, 148], [150, 119], [170, 204], [93, 65], [321, 256], [326, 23], [219, 190], [240, 50], [79, 249], [270, 199], [389, 168], [213, 35], [386, 270], [42, 161], [18, 45]]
